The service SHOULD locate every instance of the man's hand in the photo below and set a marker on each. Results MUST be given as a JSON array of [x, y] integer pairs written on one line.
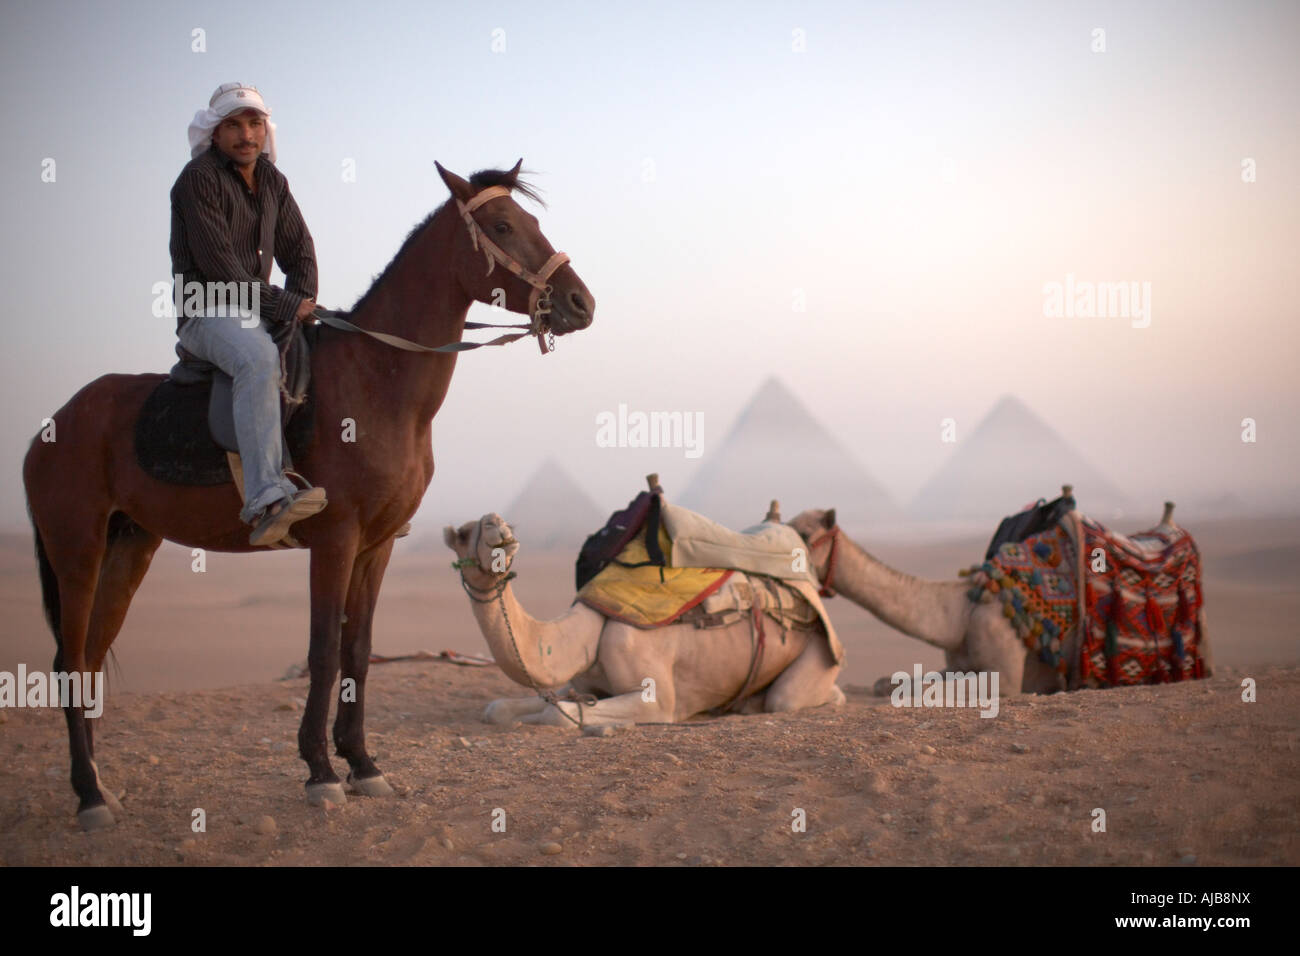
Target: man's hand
[[305, 310]]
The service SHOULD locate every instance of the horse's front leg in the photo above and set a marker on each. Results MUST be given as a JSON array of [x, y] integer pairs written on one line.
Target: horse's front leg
[[349, 725], [331, 572]]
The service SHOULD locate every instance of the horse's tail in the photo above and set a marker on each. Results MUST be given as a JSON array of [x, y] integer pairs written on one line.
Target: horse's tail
[[49, 585]]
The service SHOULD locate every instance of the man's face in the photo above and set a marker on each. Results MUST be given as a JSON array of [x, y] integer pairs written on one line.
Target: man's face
[[241, 136]]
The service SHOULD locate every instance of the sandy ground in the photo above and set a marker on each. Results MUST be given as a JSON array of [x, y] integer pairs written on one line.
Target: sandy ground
[[1185, 773], [197, 719]]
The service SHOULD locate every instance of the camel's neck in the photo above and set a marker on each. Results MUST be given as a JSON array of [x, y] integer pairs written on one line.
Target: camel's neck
[[932, 611], [419, 299], [545, 654]]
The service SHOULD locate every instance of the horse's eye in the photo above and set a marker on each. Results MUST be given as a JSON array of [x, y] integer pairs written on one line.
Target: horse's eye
[[502, 228]]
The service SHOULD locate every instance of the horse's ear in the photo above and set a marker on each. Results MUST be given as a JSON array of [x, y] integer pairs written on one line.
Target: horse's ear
[[514, 172], [828, 519], [459, 187]]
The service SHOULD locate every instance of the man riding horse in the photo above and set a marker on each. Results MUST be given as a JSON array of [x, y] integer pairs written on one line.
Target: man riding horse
[[232, 214]]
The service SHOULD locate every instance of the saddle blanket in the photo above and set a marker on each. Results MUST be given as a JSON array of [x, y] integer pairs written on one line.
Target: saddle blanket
[[1120, 610], [1142, 602], [1035, 580], [650, 596]]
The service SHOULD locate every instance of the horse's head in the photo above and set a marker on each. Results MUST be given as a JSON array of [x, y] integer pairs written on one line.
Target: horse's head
[[503, 259]]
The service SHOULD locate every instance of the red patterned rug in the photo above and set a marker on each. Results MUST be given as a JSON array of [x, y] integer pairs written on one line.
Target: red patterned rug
[[1143, 597]]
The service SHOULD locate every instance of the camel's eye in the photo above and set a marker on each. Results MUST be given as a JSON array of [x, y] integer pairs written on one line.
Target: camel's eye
[[502, 228]]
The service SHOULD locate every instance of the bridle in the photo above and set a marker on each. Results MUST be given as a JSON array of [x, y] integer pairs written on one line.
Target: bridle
[[539, 300], [828, 585]]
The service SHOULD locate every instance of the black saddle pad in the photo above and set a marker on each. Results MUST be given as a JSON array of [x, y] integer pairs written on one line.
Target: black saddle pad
[[1035, 520], [174, 444], [601, 548]]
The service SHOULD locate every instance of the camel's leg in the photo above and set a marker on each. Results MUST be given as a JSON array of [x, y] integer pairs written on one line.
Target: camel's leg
[[808, 682], [331, 572], [628, 656], [349, 725], [628, 708], [994, 646], [507, 710], [126, 560]]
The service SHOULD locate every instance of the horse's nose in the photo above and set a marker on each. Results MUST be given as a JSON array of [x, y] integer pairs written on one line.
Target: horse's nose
[[581, 309]]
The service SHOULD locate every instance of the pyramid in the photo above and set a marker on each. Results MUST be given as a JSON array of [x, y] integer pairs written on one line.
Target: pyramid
[[1010, 459], [552, 513], [777, 449]]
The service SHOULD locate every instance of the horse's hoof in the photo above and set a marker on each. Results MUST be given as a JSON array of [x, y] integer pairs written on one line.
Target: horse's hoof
[[114, 805], [96, 818], [371, 786], [318, 793]]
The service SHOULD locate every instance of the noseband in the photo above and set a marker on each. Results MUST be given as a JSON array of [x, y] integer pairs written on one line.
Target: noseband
[[539, 300]]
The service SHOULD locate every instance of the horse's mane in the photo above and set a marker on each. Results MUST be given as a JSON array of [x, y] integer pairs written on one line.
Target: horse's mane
[[483, 178]]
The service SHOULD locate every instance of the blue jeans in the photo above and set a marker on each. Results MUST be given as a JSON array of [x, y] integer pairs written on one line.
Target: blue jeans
[[251, 359]]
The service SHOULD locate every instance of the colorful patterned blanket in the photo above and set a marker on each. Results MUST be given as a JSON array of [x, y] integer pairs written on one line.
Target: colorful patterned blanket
[[1035, 580], [1143, 602], [1138, 599]]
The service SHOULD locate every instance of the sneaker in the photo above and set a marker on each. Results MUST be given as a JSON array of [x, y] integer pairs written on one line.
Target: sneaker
[[275, 521]]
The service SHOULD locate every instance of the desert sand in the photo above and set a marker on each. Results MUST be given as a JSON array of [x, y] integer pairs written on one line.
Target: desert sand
[[198, 717]]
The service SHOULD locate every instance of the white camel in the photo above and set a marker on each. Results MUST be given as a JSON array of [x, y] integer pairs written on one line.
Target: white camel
[[638, 675], [974, 637]]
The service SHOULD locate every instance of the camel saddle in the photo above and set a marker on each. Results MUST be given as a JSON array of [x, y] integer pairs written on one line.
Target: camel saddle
[[656, 578], [1101, 608], [187, 425], [769, 548]]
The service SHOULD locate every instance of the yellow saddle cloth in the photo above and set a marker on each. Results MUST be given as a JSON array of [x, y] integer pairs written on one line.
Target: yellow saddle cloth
[[649, 596]]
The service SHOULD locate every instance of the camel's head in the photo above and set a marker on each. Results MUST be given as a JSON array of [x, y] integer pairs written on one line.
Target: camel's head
[[489, 541], [815, 527]]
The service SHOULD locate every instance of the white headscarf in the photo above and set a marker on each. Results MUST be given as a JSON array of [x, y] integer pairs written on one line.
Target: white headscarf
[[229, 98]]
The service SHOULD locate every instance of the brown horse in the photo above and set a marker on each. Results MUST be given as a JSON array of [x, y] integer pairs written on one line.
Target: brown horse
[[98, 518]]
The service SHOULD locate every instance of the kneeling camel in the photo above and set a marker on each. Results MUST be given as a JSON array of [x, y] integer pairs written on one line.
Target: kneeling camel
[[974, 637], [693, 670]]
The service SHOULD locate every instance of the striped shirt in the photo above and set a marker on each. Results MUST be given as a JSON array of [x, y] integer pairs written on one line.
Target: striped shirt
[[222, 232]]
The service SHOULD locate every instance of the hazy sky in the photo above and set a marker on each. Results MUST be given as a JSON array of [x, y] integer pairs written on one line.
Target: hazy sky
[[912, 177]]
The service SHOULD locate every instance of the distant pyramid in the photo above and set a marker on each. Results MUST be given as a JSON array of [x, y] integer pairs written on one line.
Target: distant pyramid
[[552, 512], [777, 449], [1013, 458]]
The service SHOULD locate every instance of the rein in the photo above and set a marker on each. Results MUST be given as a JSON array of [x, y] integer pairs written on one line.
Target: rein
[[828, 585], [539, 300]]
